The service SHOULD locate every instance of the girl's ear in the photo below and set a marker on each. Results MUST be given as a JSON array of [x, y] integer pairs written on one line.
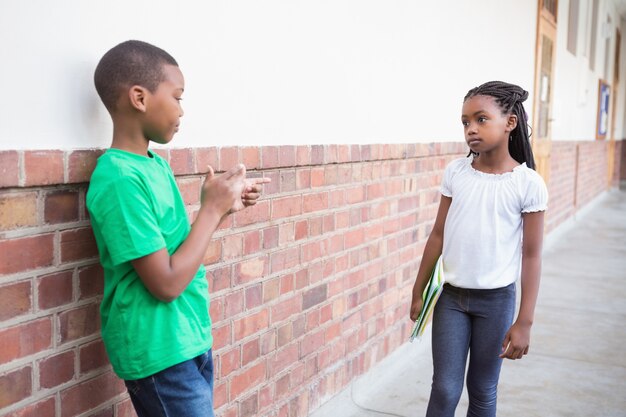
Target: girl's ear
[[138, 97], [511, 123]]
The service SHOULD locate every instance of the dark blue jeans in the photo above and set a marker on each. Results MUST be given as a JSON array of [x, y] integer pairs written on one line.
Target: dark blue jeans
[[183, 390], [473, 321]]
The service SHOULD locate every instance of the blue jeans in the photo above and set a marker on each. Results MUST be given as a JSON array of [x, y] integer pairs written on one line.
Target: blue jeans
[[473, 321], [183, 390]]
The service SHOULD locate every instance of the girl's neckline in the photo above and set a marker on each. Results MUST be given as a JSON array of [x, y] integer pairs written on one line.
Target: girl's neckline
[[490, 175]]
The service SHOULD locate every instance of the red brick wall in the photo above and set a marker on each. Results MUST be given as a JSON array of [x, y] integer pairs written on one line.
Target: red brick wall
[[309, 288], [578, 174]]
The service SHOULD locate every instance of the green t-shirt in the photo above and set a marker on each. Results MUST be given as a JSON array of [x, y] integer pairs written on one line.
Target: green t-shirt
[[136, 209]]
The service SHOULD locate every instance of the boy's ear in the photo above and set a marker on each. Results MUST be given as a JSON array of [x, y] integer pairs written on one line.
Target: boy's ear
[[511, 123], [138, 96]]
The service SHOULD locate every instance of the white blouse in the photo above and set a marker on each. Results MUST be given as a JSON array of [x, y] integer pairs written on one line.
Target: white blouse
[[482, 243]]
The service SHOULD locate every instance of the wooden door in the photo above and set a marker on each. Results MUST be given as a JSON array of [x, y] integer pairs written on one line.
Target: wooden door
[[545, 53], [615, 90]]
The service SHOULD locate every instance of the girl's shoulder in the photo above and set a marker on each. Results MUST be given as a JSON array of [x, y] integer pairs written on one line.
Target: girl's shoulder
[[527, 174]]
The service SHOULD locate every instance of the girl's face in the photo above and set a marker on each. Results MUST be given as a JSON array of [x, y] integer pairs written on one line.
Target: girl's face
[[486, 128]]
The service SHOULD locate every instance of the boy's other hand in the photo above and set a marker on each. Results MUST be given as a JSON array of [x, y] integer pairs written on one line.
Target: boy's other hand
[[223, 193], [252, 191], [416, 308]]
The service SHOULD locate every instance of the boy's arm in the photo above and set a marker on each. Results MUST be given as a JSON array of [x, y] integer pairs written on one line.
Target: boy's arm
[[165, 276], [517, 340], [432, 250]]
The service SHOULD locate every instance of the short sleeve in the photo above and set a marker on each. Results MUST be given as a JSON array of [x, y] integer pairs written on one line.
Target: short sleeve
[[535, 195], [126, 220], [448, 174]]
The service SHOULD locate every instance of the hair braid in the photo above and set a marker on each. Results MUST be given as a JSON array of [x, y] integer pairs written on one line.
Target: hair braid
[[510, 98]]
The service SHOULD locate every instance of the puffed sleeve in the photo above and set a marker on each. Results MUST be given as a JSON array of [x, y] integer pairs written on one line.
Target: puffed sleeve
[[451, 169], [535, 194]]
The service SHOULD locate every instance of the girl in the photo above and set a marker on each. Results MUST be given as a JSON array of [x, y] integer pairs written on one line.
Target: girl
[[490, 199]]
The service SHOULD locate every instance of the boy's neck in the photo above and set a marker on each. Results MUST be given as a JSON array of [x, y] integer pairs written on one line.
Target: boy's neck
[[130, 138]]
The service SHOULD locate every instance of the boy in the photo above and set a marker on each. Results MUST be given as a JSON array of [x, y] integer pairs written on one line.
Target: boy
[[155, 309]]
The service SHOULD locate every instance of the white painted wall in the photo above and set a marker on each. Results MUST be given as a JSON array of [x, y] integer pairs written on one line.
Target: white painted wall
[[576, 85], [265, 72]]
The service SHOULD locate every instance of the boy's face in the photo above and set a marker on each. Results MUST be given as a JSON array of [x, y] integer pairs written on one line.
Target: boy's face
[[163, 109]]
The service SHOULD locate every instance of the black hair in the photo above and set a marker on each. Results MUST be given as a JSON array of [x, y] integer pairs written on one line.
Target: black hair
[[509, 97], [127, 64]]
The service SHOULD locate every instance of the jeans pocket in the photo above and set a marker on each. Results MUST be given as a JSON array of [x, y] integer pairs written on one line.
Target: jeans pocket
[[133, 387], [204, 360]]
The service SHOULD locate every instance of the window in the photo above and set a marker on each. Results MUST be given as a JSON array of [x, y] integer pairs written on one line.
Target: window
[[572, 26]]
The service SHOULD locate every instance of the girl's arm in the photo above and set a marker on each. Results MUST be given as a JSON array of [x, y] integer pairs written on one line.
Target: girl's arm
[[432, 250], [517, 339]]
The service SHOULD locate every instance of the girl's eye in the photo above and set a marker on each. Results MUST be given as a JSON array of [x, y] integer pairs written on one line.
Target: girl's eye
[[465, 123], [482, 119]]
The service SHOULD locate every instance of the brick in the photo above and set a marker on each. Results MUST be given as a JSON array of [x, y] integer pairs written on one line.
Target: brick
[[258, 213], [18, 210], [318, 177], [15, 386], [230, 361], [286, 207], [90, 394], [251, 242], [25, 339], [79, 322], [270, 237], [90, 281], [314, 296], [251, 269], [251, 324], [268, 342], [221, 336], [269, 157], [286, 309], [273, 187], [54, 290], [56, 369], [190, 190], [204, 158], [317, 154], [23, 254], [284, 259], [287, 155], [9, 169], [43, 408], [16, 299], [81, 164], [285, 233], [220, 395], [248, 379], [232, 246], [303, 155], [61, 207], [182, 161], [303, 179], [271, 290], [285, 334], [314, 202], [229, 157], [250, 351], [254, 296], [233, 304], [284, 359], [213, 253], [107, 412], [77, 244], [43, 167], [249, 406], [219, 279], [92, 356], [251, 157], [287, 180]]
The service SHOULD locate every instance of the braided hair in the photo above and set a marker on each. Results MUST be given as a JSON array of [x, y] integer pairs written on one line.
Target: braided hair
[[510, 98]]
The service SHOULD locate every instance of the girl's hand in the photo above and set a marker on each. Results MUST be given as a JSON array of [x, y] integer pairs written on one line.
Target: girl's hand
[[516, 342], [416, 307]]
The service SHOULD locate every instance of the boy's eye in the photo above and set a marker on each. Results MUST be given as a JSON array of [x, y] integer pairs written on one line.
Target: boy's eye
[[465, 123], [482, 119]]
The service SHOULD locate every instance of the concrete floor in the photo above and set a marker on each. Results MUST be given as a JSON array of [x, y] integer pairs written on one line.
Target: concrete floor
[[577, 362]]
